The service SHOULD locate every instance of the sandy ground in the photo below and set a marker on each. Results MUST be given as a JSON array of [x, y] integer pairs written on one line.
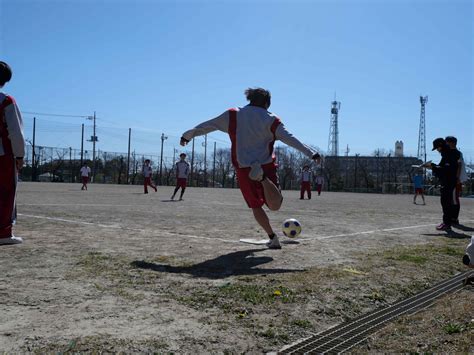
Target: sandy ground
[[112, 269]]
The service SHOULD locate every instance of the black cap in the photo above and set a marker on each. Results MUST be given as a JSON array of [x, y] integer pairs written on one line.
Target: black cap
[[438, 142]]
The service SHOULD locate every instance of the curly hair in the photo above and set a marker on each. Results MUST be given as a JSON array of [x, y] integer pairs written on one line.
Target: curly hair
[[258, 97]]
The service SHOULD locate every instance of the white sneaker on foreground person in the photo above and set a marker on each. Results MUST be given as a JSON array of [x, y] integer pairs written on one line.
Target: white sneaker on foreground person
[[256, 172], [274, 243], [11, 240], [468, 258]]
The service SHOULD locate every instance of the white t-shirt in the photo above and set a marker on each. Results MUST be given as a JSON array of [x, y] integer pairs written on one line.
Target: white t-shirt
[[182, 168], [319, 180], [306, 176], [147, 171], [463, 176], [85, 171], [255, 133]]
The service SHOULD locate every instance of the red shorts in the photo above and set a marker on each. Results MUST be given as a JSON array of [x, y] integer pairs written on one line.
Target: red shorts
[[181, 183], [419, 190], [253, 190], [85, 179]]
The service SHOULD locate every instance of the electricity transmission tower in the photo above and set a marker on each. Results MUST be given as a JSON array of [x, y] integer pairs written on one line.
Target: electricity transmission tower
[[333, 144], [422, 131]]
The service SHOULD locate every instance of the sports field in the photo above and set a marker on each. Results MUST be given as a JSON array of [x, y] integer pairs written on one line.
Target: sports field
[[112, 269]]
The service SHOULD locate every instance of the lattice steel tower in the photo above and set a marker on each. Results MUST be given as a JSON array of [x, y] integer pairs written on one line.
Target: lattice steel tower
[[422, 131], [333, 144]]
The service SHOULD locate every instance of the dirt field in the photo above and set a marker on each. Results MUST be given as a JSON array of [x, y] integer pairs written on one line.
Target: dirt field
[[112, 269]]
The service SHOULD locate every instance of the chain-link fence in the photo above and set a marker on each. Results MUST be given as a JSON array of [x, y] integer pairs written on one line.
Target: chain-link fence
[[373, 174]]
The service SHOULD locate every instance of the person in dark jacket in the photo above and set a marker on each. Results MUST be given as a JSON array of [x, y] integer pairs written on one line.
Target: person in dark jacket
[[446, 171]]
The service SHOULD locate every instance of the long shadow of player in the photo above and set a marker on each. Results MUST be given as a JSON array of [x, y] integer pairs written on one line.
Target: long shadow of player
[[464, 228], [232, 264], [451, 234]]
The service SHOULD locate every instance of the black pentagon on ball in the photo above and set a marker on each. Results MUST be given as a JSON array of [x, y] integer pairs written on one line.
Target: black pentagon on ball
[[293, 233], [296, 224], [287, 224]]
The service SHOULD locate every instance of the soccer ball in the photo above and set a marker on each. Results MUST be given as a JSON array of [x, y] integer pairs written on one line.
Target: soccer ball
[[291, 228]]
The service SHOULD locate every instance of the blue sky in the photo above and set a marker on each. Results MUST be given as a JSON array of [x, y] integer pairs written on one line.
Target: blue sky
[[164, 66]]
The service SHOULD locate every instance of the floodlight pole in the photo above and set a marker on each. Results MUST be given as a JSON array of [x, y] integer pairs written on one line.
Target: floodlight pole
[[163, 138], [128, 155]]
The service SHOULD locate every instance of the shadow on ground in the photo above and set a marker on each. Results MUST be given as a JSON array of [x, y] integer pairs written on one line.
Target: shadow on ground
[[232, 264], [464, 228], [451, 234]]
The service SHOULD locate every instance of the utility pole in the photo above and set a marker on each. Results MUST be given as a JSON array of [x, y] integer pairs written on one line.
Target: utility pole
[[214, 167], [163, 138], [70, 161], [82, 146], [93, 140], [33, 158], [205, 160], [192, 163], [128, 155]]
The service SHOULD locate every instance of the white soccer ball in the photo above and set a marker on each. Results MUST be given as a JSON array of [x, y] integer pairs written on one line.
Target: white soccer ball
[[291, 228]]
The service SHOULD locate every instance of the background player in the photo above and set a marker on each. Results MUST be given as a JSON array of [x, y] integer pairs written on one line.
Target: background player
[[418, 184], [306, 178], [253, 131], [12, 151], [147, 174], [182, 172], [319, 183], [85, 172]]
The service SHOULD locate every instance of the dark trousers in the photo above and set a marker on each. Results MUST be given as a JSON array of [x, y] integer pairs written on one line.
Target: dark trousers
[[7, 194], [449, 204]]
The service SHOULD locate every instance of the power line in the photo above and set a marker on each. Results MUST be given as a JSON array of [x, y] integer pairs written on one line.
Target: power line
[[52, 114]]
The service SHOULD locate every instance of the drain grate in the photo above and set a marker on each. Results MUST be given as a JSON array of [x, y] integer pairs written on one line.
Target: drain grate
[[347, 335]]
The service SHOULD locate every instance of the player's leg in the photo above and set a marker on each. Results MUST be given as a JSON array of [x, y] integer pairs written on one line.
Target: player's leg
[[414, 197], [175, 190], [319, 189], [271, 188], [7, 200], [152, 185], [423, 197], [446, 204], [253, 193], [308, 190], [262, 218], [145, 185], [302, 191]]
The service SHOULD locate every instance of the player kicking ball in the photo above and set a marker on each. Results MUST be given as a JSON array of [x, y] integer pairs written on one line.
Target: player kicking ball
[[253, 131], [182, 172]]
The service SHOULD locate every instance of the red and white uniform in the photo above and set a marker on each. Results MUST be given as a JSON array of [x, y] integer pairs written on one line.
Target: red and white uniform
[[12, 145], [306, 183], [253, 132], [182, 172], [319, 183], [85, 171], [147, 174]]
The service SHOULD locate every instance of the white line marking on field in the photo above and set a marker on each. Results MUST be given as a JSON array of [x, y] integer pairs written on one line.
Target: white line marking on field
[[125, 228], [370, 232], [74, 204]]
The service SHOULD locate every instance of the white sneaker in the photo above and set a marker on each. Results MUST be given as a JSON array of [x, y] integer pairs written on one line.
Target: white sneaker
[[11, 240], [468, 258], [256, 172], [274, 243]]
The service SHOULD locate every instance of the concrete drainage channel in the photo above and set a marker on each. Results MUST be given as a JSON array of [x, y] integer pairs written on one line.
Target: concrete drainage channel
[[343, 337]]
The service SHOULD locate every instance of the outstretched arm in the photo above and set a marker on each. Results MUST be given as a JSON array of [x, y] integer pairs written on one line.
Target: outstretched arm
[[286, 137], [220, 123]]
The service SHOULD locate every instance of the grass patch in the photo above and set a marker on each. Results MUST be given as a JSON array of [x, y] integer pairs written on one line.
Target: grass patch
[[302, 323]]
